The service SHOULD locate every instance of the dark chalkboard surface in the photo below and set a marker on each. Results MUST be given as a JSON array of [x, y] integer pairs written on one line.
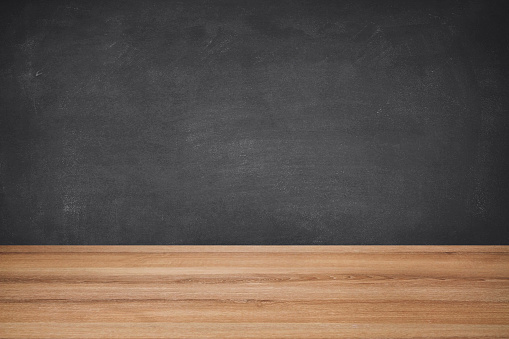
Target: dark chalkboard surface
[[254, 122]]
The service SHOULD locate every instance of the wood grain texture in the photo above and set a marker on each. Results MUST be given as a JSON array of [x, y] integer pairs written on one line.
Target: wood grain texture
[[254, 291]]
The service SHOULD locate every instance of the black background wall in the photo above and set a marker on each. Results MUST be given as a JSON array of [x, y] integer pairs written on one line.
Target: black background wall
[[254, 122]]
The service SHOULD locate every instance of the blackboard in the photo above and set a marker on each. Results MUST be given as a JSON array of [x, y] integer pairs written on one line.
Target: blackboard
[[254, 122]]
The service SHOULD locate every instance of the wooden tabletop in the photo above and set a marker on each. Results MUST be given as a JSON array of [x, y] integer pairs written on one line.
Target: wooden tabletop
[[254, 291]]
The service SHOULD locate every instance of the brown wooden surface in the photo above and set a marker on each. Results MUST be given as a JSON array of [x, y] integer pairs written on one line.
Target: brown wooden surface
[[254, 291]]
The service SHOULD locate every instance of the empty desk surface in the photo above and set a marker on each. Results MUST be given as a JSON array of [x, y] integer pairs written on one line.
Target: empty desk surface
[[254, 291]]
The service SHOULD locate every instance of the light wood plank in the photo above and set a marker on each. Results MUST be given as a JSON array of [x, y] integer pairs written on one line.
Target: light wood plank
[[254, 291]]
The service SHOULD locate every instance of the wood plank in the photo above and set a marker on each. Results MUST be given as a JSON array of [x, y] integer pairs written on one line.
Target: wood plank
[[254, 291]]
